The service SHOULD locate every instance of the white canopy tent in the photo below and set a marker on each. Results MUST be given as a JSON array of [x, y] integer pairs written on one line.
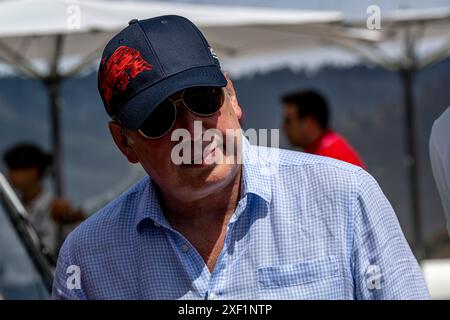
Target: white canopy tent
[[233, 31]]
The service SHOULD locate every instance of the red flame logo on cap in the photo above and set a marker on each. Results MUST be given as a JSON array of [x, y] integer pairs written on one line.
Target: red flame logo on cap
[[124, 64]]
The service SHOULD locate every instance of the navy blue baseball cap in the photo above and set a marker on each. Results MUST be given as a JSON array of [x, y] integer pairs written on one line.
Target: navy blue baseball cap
[[150, 60]]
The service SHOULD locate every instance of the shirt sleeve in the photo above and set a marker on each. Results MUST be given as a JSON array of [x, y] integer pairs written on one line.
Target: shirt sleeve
[[382, 262], [440, 160], [67, 284]]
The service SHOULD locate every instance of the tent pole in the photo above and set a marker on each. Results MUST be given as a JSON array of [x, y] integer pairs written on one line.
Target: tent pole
[[53, 82], [53, 85], [53, 89], [412, 163], [407, 73]]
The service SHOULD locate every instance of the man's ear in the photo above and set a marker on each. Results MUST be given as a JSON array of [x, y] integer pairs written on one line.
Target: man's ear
[[120, 138], [232, 96]]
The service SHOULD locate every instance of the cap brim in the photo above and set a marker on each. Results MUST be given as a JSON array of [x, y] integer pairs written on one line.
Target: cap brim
[[133, 114]]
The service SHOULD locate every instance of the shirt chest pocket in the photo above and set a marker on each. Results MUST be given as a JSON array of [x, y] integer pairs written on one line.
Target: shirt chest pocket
[[309, 279]]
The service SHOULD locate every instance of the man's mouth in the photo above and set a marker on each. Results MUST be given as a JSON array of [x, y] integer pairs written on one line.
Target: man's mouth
[[201, 161], [204, 155]]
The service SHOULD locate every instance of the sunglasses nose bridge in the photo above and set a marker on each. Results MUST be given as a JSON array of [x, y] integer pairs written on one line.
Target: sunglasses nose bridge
[[186, 119], [182, 108], [185, 112], [180, 104], [175, 102]]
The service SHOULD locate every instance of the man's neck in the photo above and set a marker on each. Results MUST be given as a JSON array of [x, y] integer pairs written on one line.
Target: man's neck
[[315, 137], [204, 222]]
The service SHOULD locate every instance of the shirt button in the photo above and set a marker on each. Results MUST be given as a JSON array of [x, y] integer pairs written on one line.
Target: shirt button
[[184, 248], [156, 224], [212, 296]]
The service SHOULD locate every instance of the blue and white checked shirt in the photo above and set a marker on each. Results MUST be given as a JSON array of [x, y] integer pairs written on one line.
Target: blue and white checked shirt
[[313, 228]]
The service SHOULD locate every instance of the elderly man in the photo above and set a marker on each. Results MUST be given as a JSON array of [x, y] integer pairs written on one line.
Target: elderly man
[[308, 227]]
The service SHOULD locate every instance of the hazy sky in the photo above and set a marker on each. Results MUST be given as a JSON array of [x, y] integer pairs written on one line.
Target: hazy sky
[[351, 8]]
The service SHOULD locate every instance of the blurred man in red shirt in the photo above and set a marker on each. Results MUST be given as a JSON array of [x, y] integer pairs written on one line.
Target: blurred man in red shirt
[[306, 124]]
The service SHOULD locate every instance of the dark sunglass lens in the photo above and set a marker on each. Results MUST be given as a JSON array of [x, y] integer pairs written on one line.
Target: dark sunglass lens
[[203, 100], [160, 120]]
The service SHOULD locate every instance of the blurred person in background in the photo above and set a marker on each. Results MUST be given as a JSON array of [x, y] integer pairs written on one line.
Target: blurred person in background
[[440, 159], [26, 167], [306, 124]]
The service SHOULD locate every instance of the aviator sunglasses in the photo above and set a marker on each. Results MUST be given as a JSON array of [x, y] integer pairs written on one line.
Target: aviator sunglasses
[[202, 101]]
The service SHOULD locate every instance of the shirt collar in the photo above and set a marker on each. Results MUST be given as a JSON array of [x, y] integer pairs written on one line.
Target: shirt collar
[[149, 206], [259, 166]]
